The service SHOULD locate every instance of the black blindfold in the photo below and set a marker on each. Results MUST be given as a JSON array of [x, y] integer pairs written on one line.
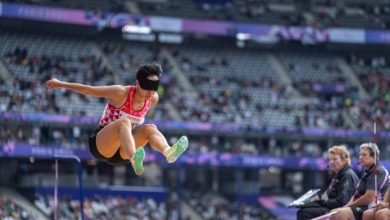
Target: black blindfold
[[148, 84]]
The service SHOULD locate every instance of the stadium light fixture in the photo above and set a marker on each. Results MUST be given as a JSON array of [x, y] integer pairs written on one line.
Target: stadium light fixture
[[243, 36], [135, 29]]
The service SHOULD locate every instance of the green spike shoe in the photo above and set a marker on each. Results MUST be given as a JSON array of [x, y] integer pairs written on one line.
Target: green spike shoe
[[138, 161], [177, 149]]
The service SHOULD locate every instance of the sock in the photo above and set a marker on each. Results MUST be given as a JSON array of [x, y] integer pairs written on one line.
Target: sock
[[166, 150], [132, 158]]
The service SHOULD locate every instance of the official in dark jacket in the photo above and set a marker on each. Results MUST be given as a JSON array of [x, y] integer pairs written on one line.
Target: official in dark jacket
[[366, 191], [339, 191]]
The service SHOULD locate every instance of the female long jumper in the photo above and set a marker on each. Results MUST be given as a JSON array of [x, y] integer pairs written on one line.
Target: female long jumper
[[121, 134]]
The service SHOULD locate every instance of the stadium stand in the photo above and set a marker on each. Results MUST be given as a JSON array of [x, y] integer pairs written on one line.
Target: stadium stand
[[281, 101]]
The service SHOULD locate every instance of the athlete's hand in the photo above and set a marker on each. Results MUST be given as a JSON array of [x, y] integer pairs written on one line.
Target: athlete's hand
[[315, 198], [53, 84]]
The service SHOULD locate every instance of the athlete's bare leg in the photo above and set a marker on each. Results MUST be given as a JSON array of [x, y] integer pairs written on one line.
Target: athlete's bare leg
[[118, 135], [148, 133]]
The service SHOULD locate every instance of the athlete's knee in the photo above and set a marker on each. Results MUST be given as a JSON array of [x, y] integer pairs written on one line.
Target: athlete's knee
[[150, 128], [124, 123]]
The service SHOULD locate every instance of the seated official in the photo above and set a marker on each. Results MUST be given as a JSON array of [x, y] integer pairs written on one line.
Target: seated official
[[381, 211], [364, 197], [340, 189]]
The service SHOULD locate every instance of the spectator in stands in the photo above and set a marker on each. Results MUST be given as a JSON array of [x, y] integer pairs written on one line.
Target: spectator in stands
[[125, 111], [9, 210], [103, 207], [365, 194], [340, 189]]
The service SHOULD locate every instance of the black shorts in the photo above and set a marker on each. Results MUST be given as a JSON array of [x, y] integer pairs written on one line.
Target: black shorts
[[358, 212], [116, 159]]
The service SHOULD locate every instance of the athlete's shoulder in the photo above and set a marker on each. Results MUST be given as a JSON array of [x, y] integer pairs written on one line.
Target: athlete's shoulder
[[120, 95], [125, 90], [119, 87]]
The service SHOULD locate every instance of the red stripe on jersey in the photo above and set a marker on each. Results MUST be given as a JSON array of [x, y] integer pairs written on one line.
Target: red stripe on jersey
[[112, 113]]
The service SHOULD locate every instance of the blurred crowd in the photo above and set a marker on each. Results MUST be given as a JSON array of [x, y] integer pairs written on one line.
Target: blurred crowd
[[105, 207], [211, 206], [75, 138], [131, 208], [318, 13], [357, 14], [224, 91], [373, 73], [9, 210]]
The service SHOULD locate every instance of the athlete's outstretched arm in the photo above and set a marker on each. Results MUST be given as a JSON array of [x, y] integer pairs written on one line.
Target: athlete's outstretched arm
[[111, 92]]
